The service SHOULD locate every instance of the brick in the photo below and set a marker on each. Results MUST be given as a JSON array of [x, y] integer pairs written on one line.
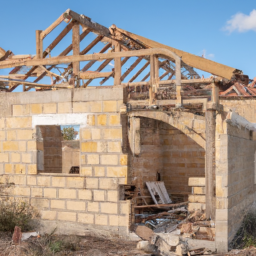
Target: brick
[[20, 191], [86, 134], [4, 157], [96, 106], [91, 183], [96, 134], [20, 110], [114, 146], [48, 215], [112, 134], [36, 192], [8, 168], [112, 195], [85, 194], [93, 159], [89, 146], [31, 180], [75, 182], [91, 120], [26, 158], [67, 193], [86, 218], [109, 159], [109, 106], [58, 181], [50, 192], [99, 171], [2, 135], [67, 216], [50, 108], [108, 183], [81, 107], [40, 203], [76, 206], [123, 159], [58, 204], [10, 146], [114, 120], [108, 208], [117, 171], [18, 122], [87, 171], [93, 207], [64, 107], [98, 195], [101, 219], [24, 134], [36, 108], [102, 120], [43, 181], [11, 135], [19, 180], [20, 168], [32, 169]]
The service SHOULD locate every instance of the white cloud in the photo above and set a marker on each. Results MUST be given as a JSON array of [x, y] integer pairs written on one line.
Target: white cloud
[[110, 64], [206, 55], [242, 22]]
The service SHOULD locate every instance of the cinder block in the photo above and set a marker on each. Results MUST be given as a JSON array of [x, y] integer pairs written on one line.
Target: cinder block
[[20, 110], [11, 135], [64, 107], [123, 159], [58, 204], [67, 193], [81, 107], [109, 159], [19, 180], [86, 218], [26, 158], [108, 208], [86, 134], [2, 135], [85, 194], [98, 195], [48, 215], [50, 108], [114, 146], [114, 120], [36, 192], [58, 181], [32, 169], [31, 180], [50, 192], [92, 183], [96, 134], [20, 168], [102, 120], [86, 171], [93, 159], [43, 181], [67, 216], [108, 183], [99, 171], [21, 191], [89, 147], [36, 108], [112, 195], [18, 122], [112, 134], [75, 182], [96, 106], [8, 168], [119, 171], [76, 206], [101, 219], [109, 106], [4, 157]]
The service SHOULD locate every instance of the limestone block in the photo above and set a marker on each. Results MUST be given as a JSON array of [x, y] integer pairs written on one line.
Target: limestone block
[[114, 146], [36, 192], [21, 191], [86, 218], [58, 204], [75, 182], [109, 106], [87, 171], [108, 183], [26, 158], [114, 120], [99, 171], [67, 193], [64, 107], [44, 181], [76, 206], [67, 216], [11, 134], [36, 108], [48, 215], [4, 157], [31, 180], [101, 219], [58, 181], [109, 159], [20, 110], [112, 195], [8, 168], [102, 120], [93, 159], [196, 198], [85, 194], [20, 168], [2, 135], [19, 180], [81, 107], [86, 134], [89, 147], [108, 208], [196, 182], [92, 183], [111, 134], [50, 108], [93, 207], [96, 106], [24, 134], [32, 169], [50, 192], [119, 171], [96, 134]]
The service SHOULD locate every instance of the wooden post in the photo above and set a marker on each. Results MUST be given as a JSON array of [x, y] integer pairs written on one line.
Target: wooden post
[[156, 67], [210, 122], [152, 79], [118, 71], [178, 82], [39, 45], [215, 93], [76, 50]]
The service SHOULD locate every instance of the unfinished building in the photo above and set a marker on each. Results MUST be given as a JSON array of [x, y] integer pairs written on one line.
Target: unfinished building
[[194, 134]]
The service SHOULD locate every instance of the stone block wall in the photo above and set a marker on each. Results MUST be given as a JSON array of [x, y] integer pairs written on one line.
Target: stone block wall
[[89, 201]]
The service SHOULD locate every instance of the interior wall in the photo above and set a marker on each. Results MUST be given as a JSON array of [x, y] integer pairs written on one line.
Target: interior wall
[[170, 152]]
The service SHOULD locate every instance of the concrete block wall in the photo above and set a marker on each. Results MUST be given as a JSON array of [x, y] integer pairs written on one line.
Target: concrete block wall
[[235, 167], [90, 199]]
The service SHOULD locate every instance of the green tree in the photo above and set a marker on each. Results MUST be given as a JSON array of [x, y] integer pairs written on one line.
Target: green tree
[[69, 133]]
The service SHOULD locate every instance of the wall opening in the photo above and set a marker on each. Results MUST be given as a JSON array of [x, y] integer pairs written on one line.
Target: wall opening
[[58, 149]]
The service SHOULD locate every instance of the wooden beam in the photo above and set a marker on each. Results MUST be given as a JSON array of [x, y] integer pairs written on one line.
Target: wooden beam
[[152, 79], [91, 45], [163, 75], [131, 68], [2, 52], [39, 49], [76, 49], [93, 75], [118, 67], [146, 77], [139, 72], [160, 205]]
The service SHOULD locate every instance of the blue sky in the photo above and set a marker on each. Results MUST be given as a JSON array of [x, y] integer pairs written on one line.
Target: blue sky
[[193, 26]]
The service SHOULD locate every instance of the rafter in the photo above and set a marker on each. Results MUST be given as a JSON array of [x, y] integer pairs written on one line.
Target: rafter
[[131, 68], [139, 72], [164, 74]]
